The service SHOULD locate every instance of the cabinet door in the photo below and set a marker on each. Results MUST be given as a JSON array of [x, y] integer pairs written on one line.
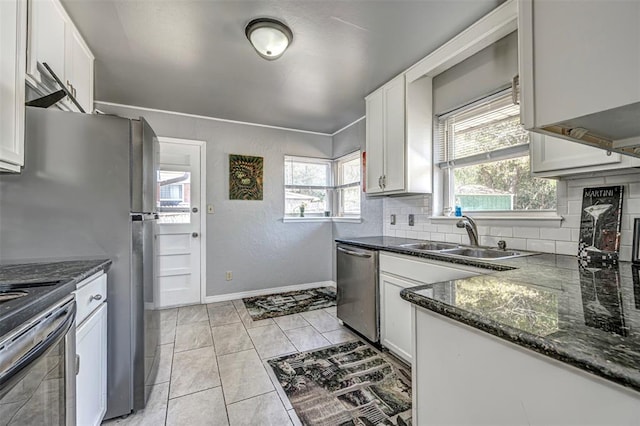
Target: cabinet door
[[394, 135], [564, 157], [585, 57], [79, 66], [13, 19], [91, 380], [395, 317], [375, 142], [46, 38]]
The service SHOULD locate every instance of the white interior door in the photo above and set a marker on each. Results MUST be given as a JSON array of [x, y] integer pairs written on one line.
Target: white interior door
[[179, 239]]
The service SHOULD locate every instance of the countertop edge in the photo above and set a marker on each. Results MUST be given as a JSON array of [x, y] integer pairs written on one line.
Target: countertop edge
[[429, 256], [627, 377]]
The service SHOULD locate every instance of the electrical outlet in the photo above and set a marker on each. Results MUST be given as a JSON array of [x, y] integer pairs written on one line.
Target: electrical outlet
[[229, 275], [210, 208], [411, 220], [393, 219]]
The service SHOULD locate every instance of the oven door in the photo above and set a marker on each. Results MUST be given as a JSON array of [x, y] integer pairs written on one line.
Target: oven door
[[37, 369]]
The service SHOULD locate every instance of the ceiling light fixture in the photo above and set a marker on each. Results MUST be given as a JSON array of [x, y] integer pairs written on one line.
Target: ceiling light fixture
[[269, 37]]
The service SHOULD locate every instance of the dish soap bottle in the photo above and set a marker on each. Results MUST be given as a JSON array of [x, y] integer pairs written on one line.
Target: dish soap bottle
[[458, 209]]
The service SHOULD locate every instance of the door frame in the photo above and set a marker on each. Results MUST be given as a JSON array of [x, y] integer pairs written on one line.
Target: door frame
[[203, 204]]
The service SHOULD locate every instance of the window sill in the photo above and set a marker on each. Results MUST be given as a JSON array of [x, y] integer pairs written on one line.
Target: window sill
[[322, 219], [506, 220]]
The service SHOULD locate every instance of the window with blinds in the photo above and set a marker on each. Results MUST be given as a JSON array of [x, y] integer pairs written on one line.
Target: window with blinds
[[484, 154], [322, 188]]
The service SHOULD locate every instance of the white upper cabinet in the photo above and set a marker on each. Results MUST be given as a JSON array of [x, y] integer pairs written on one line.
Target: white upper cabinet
[[390, 170], [554, 157], [79, 69], [54, 40], [579, 70], [13, 24], [46, 38]]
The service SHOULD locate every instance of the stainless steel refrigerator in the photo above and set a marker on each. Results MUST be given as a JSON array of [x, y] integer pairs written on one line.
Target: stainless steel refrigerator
[[88, 190]]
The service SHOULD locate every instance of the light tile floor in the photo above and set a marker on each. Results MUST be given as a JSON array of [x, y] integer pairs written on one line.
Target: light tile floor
[[212, 369]]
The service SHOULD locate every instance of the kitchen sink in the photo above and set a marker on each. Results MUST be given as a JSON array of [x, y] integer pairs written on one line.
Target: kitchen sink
[[451, 249], [430, 246], [484, 253]]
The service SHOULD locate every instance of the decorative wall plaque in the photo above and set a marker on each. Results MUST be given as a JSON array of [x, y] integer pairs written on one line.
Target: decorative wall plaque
[[600, 223], [245, 177]]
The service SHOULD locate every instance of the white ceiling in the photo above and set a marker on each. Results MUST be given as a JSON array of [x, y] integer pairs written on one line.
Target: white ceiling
[[193, 57]]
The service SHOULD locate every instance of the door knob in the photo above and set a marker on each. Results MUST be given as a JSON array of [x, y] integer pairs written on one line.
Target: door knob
[[194, 235], [194, 209]]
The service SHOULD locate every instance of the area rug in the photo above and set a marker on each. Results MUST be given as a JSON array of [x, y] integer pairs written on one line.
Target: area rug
[[346, 384], [292, 302]]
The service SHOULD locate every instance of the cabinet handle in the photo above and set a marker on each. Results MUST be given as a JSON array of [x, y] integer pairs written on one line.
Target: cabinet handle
[[380, 182], [384, 181], [95, 297], [515, 82], [77, 364]]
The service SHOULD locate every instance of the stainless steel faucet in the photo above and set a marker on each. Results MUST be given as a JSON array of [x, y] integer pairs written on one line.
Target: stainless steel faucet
[[471, 227]]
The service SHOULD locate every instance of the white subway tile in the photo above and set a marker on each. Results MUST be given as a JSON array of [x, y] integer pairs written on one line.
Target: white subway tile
[[558, 234], [453, 238], [501, 231], [566, 247], [575, 234], [575, 207], [625, 253], [489, 241], [540, 245], [626, 238], [516, 243], [571, 221], [446, 229], [634, 188], [574, 194], [436, 236], [585, 182], [621, 179], [483, 230], [429, 227], [525, 232], [631, 205], [401, 234]]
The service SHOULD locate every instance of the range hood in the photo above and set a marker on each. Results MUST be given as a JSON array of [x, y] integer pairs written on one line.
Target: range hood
[[615, 130]]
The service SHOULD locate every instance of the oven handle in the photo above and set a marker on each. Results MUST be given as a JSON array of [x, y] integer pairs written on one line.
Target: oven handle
[[32, 340]]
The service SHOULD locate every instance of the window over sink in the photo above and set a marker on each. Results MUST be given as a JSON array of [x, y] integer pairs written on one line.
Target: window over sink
[[322, 188], [483, 155]]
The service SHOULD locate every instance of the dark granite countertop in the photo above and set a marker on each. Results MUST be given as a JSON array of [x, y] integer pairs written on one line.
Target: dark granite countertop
[[59, 279], [587, 316]]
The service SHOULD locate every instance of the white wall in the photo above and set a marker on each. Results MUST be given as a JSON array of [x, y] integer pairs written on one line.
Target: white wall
[[249, 237], [346, 141], [526, 235]]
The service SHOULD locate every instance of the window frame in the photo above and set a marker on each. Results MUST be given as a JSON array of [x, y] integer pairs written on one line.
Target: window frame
[[446, 167], [334, 189]]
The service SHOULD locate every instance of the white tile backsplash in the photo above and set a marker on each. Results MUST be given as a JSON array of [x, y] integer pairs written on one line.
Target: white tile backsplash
[[541, 236]]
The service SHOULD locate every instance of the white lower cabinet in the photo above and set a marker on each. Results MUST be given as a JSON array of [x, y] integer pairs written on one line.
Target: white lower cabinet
[[398, 272], [396, 315], [91, 351], [463, 376]]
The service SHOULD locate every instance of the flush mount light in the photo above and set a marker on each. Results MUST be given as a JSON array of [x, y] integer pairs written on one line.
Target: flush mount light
[[269, 37]]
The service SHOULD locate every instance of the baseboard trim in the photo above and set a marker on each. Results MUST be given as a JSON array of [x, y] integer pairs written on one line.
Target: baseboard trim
[[265, 291]]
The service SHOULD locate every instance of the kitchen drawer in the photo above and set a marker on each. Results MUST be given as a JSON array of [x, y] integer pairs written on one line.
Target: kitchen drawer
[[426, 271], [90, 293]]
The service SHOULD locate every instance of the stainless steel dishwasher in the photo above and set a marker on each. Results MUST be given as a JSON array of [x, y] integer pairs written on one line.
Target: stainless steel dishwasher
[[357, 276]]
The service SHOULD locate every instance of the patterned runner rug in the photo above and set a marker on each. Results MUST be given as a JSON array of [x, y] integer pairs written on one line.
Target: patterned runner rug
[[292, 302], [346, 384]]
